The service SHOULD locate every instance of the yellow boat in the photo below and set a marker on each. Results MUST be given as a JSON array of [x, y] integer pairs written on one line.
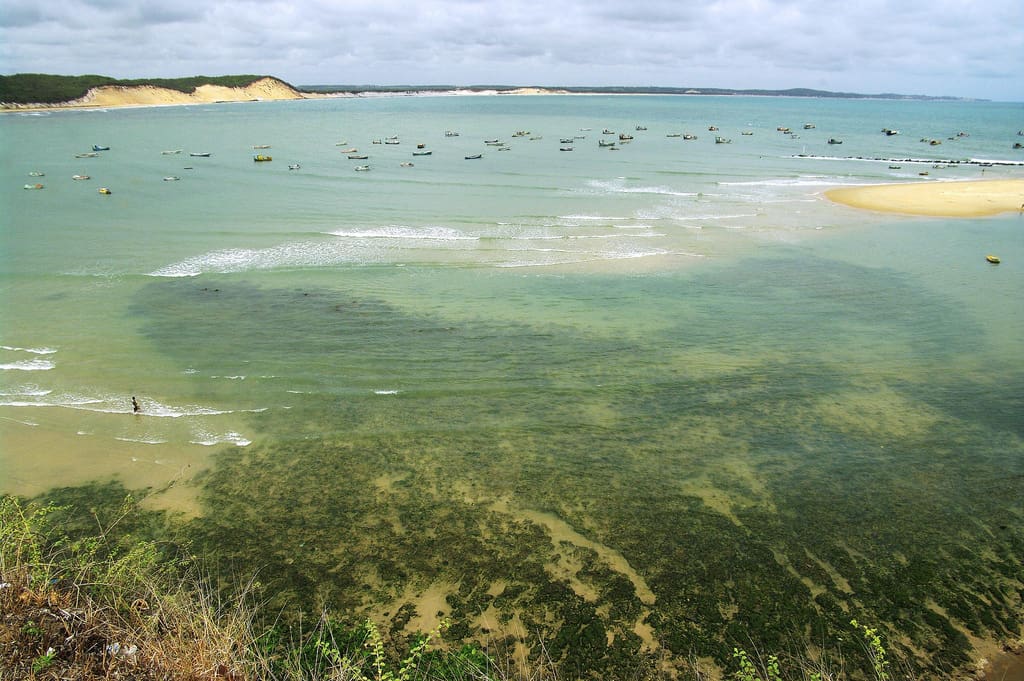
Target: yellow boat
[[104, 190], [994, 259], [259, 158]]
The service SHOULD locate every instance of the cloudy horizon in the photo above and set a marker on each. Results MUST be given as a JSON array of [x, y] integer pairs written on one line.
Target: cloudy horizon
[[939, 48]]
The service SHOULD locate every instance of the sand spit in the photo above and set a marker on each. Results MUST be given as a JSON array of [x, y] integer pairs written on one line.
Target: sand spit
[[976, 198], [149, 95]]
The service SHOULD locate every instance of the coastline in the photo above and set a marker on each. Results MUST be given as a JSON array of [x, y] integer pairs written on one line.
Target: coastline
[[113, 96], [959, 199]]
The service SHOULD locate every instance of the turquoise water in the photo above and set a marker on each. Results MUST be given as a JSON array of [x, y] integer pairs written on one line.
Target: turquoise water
[[666, 397]]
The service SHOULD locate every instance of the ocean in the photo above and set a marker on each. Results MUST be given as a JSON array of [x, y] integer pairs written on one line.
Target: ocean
[[656, 398]]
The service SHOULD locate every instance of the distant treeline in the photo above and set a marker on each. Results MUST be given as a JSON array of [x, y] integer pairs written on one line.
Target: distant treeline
[[41, 88]]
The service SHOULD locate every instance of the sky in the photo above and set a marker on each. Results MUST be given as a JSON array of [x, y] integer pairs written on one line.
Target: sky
[[922, 47]]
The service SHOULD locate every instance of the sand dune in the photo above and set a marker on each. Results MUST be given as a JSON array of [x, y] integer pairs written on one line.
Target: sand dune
[[149, 95]]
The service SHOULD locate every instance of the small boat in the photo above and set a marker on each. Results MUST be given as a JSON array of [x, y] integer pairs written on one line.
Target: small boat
[[623, 137], [894, 167], [641, 128], [80, 177], [422, 153], [406, 164], [33, 186], [170, 152], [935, 143], [566, 140], [36, 173], [808, 126], [294, 166], [171, 178], [391, 141], [890, 132], [358, 157], [376, 142], [713, 128], [262, 158], [495, 143], [689, 137], [88, 154], [783, 129], [341, 143], [421, 145], [833, 140], [604, 143], [200, 154], [994, 259], [606, 131], [450, 133], [923, 173], [362, 168], [1018, 145], [722, 140], [473, 157], [97, 147], [747, 132], [261, 146], [565, 148], [104, 190], [350, 150]]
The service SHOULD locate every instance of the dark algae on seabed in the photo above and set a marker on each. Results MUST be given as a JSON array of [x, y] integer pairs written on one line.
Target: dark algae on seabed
[[725, 479]]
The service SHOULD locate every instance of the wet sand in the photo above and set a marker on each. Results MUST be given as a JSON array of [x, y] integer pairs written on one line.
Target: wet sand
[[941, 199]]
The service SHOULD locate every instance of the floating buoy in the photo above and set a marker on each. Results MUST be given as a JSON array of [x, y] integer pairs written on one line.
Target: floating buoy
[[994, 259]]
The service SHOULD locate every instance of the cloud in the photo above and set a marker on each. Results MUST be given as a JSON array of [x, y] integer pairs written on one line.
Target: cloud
[[934, 47]]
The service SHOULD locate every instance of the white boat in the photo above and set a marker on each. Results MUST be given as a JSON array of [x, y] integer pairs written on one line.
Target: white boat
[[33, 186], [36, 173], [80, 177], [200, 154], [362, 168], [358, 157], [722, 140], [450, 133], [294, 166], [422, 153], [473, 157], [170, 152], [171, 178], [604, 143]]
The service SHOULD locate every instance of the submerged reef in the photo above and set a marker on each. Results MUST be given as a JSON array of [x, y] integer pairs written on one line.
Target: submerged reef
[[717, 479]]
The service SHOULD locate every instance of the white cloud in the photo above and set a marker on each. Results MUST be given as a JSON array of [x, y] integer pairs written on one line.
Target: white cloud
[[938, 47]]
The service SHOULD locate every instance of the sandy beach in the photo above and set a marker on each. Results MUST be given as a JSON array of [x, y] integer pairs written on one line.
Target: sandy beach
[[943, 199]]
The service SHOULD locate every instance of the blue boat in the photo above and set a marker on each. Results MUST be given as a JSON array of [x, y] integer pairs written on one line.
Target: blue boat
[[97, 147]]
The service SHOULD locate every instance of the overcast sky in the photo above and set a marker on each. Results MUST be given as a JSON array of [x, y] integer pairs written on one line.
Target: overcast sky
[[931, 47]]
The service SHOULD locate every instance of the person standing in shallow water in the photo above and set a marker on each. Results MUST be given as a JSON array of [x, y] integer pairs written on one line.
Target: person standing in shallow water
[[135, 405]]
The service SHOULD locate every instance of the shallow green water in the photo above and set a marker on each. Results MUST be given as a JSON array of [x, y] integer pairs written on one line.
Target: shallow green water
[[665, 398]]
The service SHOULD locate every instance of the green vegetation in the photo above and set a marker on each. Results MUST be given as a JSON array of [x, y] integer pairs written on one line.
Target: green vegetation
[[39, 88], [111, 604]]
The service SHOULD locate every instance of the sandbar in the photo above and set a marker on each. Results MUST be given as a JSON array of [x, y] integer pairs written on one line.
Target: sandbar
[[974, 198]]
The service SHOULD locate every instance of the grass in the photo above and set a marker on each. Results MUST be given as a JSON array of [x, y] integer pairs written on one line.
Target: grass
[[108, 605]]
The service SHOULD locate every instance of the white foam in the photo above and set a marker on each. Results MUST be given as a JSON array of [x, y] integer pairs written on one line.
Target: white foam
[[430, 233], [142, 440], [294, 254], [35, 351], [28, 365], [210, 440], [26, 391]]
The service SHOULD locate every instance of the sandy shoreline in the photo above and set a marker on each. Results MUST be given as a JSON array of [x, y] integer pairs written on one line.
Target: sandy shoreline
[[975, 198], [266, 89]]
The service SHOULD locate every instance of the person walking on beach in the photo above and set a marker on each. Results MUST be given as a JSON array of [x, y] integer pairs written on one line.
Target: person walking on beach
[[135, 405]]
